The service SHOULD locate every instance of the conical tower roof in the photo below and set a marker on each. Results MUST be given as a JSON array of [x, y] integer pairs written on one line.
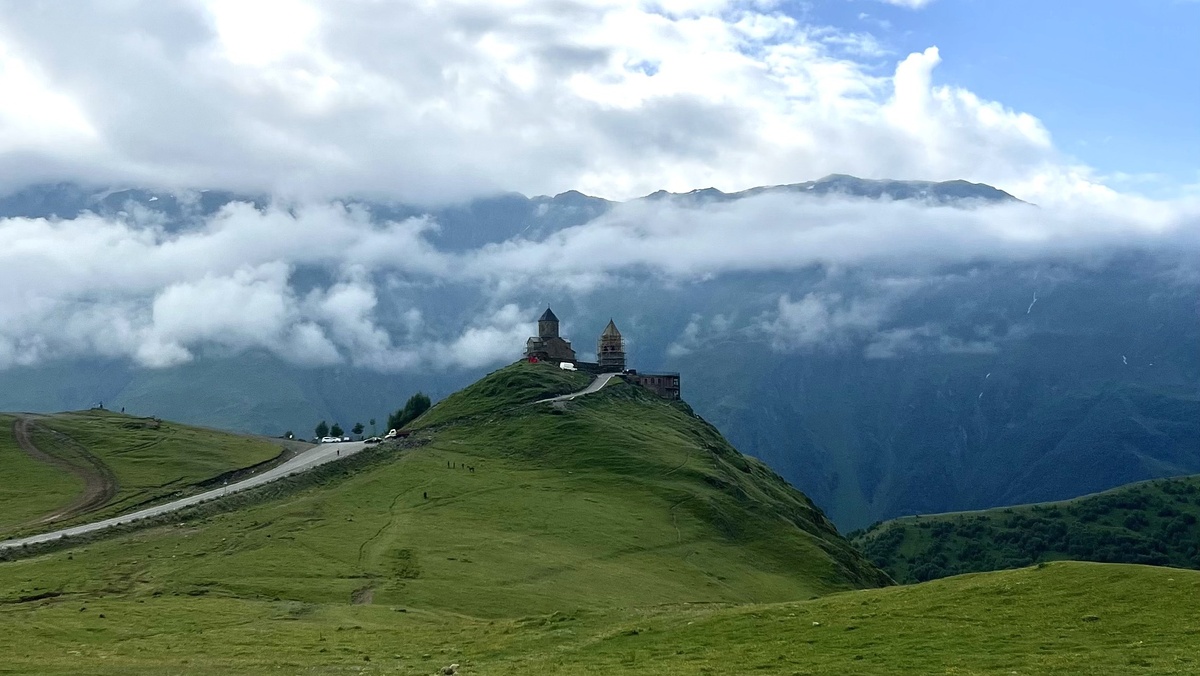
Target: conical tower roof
[[548, 316], [610, 331]]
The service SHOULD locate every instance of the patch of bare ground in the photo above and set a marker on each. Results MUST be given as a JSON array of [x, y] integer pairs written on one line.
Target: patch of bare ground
[[99, 482], [364, 596]]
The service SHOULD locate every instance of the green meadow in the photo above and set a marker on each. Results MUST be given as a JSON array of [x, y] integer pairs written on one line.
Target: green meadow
[[613, 534]]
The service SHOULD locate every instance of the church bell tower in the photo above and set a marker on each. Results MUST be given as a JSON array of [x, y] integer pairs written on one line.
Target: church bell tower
[[611, 351], [548, 325]]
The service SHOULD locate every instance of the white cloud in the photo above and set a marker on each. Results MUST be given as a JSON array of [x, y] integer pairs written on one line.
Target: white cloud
[[821, 320], [925, 338], [498, 338], [787, 232], [909, 4], [428, 101]]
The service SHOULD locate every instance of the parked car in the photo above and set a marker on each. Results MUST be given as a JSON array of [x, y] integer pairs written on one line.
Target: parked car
[[330, 440], [345, 438], [372, 440], [567, 366]]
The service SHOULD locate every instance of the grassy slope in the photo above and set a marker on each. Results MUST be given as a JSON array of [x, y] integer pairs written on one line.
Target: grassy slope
[[1064, 618], [577, 545], [616, 500], [1155, 522], [29, 489], [515, 385], [149, 460]]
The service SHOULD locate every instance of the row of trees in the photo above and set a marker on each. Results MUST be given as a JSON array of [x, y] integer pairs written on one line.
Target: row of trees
[[325, 430], [414, 407]]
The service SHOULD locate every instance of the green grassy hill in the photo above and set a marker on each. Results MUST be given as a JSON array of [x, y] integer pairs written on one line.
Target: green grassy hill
[[613, 534], [1152, 522], [99, 463]]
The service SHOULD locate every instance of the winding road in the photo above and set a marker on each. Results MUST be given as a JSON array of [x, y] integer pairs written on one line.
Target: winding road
[[600, 381], [306, 460]]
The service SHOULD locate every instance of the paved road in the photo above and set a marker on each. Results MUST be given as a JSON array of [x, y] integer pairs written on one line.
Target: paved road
[[600, 381], [318, 455]]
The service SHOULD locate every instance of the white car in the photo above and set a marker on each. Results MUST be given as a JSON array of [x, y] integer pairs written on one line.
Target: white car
[[330, 440]]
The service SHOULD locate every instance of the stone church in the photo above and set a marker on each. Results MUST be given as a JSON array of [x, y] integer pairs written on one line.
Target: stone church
[[549, 346]]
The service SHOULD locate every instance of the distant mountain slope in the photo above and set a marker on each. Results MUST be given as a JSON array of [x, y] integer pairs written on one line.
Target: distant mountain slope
[[1151, 522], [978, 400]]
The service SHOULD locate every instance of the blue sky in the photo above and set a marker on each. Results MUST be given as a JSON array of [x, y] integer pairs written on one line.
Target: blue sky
[[1116, 83]]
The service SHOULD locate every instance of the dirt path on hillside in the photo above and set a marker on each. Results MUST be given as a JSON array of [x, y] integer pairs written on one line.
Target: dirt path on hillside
[[99, 483]]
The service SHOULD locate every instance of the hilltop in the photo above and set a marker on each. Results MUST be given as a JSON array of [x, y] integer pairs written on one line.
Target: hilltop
[[1151, 522]]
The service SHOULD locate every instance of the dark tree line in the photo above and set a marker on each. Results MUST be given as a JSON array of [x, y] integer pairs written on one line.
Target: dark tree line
[[413, 408]]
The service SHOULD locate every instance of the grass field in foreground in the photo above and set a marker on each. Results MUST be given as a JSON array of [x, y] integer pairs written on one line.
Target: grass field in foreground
[[1062, 618], [148, 459]]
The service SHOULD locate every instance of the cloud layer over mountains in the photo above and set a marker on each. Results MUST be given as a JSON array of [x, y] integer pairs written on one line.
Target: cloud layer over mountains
[[312, 101], [323, 283]]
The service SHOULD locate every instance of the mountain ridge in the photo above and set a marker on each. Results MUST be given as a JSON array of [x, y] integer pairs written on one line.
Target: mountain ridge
[[68, 199], [1147, 522]]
